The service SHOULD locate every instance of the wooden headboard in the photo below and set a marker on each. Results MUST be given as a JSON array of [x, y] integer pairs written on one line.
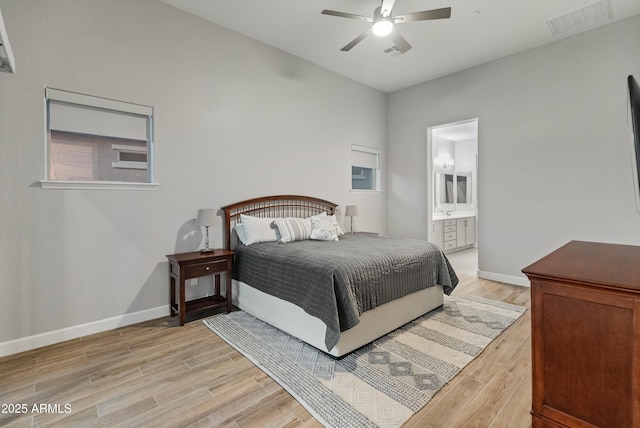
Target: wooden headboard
[[273, 206]]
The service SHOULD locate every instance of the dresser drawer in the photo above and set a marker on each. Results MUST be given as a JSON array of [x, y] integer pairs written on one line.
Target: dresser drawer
[[451, 236], [449, 245], [203, 269]]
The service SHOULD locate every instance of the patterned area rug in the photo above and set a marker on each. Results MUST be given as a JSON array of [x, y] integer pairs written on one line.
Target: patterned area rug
[[384, 383]]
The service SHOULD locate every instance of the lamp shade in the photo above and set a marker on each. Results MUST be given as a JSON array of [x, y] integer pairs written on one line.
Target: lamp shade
[[206, 217], [351, 211]]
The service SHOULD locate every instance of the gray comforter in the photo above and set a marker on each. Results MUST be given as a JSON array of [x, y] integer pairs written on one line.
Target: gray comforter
[[338, 281]]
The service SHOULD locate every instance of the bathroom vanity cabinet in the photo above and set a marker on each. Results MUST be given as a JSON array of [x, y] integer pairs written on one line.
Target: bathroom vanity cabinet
[[453, 234]]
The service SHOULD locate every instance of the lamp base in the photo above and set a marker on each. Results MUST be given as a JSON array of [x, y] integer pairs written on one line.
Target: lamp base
[[206, 249]]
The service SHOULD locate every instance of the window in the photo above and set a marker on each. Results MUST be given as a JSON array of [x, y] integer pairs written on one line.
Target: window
[[365, 168], [96, 142]]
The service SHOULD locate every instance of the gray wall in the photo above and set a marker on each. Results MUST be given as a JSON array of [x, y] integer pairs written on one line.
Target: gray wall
[[234, 119], [237, 119], [554, 147]]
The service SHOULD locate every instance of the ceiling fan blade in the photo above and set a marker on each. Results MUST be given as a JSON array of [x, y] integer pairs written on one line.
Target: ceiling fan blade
[[387, 7], [401, 44], [444, 13], [355, 41], [347, 15]]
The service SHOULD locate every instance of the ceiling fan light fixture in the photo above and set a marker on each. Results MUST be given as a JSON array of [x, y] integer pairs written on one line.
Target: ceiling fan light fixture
[[383, 23], [382, 27]]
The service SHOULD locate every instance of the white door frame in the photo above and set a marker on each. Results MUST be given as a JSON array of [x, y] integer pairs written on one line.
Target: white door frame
[[430, 190]]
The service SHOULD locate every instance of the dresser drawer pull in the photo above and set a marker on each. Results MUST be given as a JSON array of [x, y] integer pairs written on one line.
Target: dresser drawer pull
[[207, 268]]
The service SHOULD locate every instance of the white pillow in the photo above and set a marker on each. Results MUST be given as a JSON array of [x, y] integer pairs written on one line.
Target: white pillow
[[240, 232], [335, 222], [293, 229], [257, 229], [323, 228]]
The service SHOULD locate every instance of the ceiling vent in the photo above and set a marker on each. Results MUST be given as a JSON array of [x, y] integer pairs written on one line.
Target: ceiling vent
[[7, 63], [580, 19]]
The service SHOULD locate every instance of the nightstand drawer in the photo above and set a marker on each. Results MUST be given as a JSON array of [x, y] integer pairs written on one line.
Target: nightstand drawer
[[203, 269]]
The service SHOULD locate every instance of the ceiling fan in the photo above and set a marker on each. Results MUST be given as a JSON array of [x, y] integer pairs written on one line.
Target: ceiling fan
[[384, 23]]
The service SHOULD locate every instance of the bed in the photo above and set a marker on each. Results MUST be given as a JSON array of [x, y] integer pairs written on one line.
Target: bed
[[336, 293]]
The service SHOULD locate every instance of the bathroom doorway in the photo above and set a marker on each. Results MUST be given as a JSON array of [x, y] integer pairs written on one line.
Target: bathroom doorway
[[452, 183]]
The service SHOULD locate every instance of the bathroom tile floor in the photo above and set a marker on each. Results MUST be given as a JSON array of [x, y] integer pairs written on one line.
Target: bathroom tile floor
[[465, 261]]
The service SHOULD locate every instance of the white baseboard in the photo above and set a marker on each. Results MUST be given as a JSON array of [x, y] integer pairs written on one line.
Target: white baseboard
[[509, 279], [56, 336]]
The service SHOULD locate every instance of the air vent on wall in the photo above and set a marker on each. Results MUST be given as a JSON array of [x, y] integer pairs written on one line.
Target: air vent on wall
[[7, 63], [580, 19]]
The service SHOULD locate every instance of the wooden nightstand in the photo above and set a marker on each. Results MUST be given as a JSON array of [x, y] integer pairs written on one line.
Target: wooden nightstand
[[197, 265]]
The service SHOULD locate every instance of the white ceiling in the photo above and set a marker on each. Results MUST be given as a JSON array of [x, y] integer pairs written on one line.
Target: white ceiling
[[477, 32]]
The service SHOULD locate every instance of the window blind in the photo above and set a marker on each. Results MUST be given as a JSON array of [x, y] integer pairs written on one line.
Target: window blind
[[71, 112], [364, 159]]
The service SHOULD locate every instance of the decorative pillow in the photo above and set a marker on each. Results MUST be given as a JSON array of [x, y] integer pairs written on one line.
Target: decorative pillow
[[323, 228], [258, 229], [293, 229], [240, 232], [335, 222]]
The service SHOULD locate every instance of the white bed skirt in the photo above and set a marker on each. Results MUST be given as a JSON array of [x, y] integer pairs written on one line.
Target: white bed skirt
[[373, 324]]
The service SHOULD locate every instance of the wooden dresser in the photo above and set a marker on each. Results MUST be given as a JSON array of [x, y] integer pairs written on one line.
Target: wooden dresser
[[585, 322]]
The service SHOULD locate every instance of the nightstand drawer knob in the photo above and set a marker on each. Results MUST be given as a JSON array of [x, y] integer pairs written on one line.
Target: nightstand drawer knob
[[208, 268]]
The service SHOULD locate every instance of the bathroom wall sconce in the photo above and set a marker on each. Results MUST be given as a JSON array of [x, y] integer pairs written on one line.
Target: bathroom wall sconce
[[444, 162]]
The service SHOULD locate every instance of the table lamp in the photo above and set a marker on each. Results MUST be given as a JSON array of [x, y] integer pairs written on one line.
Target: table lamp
[[206, 218], [351, 211]]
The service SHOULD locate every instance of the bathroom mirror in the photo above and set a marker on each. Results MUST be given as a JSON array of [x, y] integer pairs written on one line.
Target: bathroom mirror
[[463, 187], [450, 188], [443, 188]]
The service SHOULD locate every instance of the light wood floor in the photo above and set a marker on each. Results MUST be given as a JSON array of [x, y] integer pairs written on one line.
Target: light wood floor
[[157, 374]]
